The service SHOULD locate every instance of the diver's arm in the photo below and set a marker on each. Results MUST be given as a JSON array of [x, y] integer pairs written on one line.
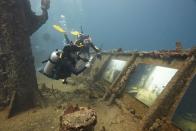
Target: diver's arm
[[83, 59], [67, 39], [78, 71], [74, 70], [94, 47]]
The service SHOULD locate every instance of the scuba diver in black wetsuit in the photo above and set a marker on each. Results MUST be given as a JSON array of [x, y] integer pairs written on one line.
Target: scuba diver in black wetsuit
[[67, 65], [62, 64]]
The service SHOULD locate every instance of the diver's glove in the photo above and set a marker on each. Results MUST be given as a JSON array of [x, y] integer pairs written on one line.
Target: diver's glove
[[88, 64], [99, 56], [45, 4]]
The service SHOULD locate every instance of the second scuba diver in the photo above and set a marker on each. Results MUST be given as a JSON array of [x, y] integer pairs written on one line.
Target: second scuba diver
[[85, 41]]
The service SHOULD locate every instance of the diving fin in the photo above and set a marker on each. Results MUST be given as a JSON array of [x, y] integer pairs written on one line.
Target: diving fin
[[75, 33], [59, 28]]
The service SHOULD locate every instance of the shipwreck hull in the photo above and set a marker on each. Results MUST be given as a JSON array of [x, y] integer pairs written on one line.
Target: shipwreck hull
[[154, 106]]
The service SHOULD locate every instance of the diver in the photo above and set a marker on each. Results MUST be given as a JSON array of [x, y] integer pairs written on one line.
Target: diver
[[82, 39], [86, 42], [62, 64], [69, 58]]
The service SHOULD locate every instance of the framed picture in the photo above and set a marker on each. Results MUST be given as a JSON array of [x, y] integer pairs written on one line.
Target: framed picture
[[113, 69], [148, 81]]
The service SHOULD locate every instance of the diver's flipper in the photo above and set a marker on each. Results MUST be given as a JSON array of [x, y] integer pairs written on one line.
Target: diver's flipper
[[75, 33], [88, 64], [58, 28]]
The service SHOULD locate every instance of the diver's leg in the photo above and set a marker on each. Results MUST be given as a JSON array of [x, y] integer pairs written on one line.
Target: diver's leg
[[65, 73], [72, 69]]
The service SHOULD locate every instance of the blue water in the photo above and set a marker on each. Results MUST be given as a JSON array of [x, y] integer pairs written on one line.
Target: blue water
[[127, 24]]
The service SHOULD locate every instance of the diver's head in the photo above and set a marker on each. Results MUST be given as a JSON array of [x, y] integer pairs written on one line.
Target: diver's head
[[87, 40], [83, 36]]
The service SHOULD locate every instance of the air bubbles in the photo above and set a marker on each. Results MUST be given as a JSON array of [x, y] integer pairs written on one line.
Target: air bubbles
[[62, 21], [62, 16]]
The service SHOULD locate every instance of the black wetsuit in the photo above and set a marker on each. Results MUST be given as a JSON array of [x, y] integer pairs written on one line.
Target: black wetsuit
[[67, 65]]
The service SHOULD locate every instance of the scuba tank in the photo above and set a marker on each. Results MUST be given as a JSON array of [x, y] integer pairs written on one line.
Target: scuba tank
[[51, 63]]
